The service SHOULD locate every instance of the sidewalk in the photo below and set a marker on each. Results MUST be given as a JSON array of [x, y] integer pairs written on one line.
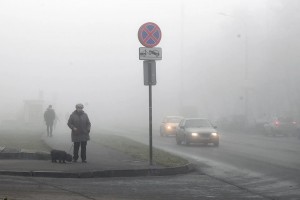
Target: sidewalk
[[101, 162]]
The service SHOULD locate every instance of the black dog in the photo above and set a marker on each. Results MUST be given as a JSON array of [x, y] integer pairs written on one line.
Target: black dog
[[61, 156]]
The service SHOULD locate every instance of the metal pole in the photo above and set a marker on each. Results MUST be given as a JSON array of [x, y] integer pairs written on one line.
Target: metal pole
[[150, 123], [182, 56]]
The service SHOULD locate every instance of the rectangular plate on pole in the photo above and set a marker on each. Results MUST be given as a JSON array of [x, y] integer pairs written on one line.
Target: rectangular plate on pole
[[149, 72], [150, 53]]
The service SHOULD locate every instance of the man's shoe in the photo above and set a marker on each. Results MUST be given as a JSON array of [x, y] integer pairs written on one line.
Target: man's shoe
[[83, 161], [74, 160]]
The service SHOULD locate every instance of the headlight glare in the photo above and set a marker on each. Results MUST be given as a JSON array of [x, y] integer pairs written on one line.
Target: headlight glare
[[194, 134], [214, 134]]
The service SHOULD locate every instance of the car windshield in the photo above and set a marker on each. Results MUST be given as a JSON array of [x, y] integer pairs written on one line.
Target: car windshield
[[285, 119], [197, 123], [173, 120]]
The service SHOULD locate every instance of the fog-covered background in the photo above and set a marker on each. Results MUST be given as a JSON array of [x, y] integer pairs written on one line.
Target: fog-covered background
[[220, 58]]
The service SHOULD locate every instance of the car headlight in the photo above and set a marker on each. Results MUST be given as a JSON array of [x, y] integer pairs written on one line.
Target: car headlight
[[169, 127], [194, 134], [214, 134]]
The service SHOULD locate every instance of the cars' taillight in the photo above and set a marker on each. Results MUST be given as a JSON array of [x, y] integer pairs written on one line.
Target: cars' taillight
[[276, 123], [294, 123]]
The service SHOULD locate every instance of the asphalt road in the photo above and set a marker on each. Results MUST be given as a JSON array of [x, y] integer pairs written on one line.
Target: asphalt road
[[268, 166], [193, 186]]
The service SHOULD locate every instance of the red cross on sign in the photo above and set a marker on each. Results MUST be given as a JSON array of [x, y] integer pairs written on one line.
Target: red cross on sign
[[149, 34]]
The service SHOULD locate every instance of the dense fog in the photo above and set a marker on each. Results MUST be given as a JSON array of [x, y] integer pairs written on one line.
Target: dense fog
[[220, 59]]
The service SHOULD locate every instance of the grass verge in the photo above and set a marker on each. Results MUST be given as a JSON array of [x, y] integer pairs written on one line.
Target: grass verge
[[26, 139], [23, 139], [139, 151]]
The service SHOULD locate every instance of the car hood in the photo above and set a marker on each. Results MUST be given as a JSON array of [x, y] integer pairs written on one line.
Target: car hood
[[172, 124], [201, 130]]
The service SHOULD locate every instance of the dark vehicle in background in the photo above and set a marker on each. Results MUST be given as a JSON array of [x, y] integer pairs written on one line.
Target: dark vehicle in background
[[281, 126], [169, 124], [197, 130]]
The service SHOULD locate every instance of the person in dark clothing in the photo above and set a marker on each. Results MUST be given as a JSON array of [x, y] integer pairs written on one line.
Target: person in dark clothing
[[49, 117], [80, 125]]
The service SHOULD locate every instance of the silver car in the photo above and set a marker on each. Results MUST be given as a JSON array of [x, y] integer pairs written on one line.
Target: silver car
[[196, 130]]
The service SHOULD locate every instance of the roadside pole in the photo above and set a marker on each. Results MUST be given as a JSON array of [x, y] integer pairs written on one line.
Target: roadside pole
[[150, 125], [150, 79], [149, 35]]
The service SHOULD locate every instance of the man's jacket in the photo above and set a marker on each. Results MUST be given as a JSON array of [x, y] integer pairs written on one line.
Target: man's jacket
[[81, 122]]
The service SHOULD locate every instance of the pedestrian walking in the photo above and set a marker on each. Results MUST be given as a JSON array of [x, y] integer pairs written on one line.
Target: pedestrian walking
[[80, 125], [49, 117]]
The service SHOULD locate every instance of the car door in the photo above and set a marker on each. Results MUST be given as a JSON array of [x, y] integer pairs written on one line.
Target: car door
[[180, 129]]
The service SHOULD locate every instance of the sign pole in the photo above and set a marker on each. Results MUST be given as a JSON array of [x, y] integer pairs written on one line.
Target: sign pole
[[150, 79], [149, 35], [150, 124]]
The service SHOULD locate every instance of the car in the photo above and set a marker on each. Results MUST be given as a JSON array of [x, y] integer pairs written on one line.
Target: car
[[197, 130], [154, 52], [281, 126], [168, 125]]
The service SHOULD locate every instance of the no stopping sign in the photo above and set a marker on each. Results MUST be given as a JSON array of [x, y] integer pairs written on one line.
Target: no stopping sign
[[149, 34]]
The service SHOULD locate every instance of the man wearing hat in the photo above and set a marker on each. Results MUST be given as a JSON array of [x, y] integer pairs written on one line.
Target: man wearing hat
[[80, 125]]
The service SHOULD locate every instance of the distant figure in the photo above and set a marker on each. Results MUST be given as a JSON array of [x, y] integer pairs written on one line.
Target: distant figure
[[80, 125], [49, 117]]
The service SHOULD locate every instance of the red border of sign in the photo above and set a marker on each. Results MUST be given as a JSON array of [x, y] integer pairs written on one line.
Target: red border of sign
[[144, 28]]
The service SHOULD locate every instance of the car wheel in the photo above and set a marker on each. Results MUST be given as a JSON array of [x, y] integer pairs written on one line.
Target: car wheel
[[266, 132], [273, 132], [216, 144], [186, 141], [178, 141], [161, 133]]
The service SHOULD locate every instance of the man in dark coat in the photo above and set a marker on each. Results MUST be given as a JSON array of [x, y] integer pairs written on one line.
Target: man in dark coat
[[80, 125], [49, 117]]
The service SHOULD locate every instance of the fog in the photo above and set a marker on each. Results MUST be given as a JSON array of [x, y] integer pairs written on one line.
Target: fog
[[220, 58]]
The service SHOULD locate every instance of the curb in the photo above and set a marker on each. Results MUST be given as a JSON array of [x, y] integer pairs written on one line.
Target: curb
[[106, 173], [25, 156]]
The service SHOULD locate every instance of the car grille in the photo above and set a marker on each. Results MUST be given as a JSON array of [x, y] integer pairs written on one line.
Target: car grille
[[205, 134]]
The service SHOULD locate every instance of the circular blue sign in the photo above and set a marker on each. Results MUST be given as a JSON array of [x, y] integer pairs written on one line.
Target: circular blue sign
[[149, 34]]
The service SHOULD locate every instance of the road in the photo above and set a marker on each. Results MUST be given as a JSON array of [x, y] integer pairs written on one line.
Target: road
[[269, 166], [193, 186]]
